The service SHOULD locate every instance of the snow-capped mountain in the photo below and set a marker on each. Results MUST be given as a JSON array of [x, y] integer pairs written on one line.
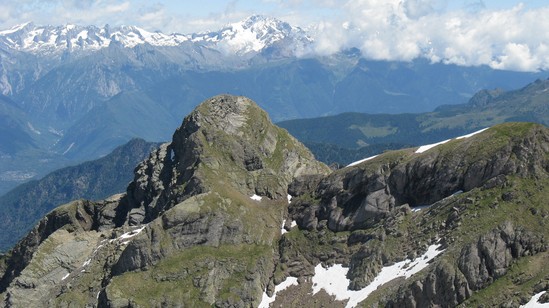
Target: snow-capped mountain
[[55, 39], [252, 35], [255, 34]]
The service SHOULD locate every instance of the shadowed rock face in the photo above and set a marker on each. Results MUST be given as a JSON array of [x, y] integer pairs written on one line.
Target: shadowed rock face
[[358, 197]]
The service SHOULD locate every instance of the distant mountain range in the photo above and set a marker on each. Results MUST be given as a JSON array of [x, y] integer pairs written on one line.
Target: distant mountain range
[[23, 206], [484, 109], [250, 35], [74, 93]]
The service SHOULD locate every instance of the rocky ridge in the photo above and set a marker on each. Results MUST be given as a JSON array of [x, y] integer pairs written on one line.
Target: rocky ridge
[[200, 223], [475, 195], [192, 196]]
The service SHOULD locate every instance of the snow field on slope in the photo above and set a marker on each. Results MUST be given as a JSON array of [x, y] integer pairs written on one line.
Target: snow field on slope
[[334, 278], [266, 300]]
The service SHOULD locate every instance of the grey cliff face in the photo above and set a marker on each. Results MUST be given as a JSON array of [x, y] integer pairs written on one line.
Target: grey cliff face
[[359, 197]]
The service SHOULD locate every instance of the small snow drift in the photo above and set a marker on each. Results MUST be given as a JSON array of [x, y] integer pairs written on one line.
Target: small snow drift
[[472, 134], [256, 197], [534, 301], [266, 300], [427, 147]]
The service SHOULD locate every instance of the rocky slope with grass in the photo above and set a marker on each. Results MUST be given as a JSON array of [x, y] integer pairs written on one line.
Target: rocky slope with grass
[[187, 220], [25, 205], [460, 223]]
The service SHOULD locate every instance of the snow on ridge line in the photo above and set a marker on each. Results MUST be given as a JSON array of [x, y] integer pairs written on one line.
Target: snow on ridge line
[[334, 279], [472, 134], [361, 161], [266, 300], [427, 147]]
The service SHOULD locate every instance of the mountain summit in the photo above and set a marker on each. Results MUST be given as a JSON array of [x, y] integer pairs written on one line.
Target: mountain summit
[[218, 190], [234, 211]]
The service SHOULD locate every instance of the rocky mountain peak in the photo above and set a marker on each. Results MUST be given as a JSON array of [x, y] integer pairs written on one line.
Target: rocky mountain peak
[[200, 225], [227, 141], [219, 189]]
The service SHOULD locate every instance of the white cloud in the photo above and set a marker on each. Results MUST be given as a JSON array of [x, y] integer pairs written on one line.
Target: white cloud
[[513, 39]]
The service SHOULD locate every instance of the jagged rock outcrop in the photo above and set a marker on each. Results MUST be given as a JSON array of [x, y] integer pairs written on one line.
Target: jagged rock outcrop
[[489, 258], [478, 266], [379, 202], [191, 197]]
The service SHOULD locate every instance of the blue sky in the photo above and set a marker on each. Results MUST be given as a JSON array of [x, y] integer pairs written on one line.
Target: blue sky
[[186, 16], [502, 34]]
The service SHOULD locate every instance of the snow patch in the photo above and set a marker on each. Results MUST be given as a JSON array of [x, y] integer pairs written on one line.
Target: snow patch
[[131, 234], [293, 224], [256, 197], [420, 207], [87, 262], [65, 277], [427, 147], [334, 278], [361, 161], [534, 301], [472, 134], [266, 300], [289, 199], [128, 235], [55, 132]]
